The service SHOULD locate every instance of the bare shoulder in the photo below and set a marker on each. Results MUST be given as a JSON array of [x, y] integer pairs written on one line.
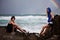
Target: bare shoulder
[[10, 22]]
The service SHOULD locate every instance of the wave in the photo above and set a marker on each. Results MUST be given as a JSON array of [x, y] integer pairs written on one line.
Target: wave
[[29, 23], [18, 17]]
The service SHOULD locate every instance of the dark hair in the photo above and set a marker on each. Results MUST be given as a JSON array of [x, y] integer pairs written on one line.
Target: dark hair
[[49, 10], [12, 17]]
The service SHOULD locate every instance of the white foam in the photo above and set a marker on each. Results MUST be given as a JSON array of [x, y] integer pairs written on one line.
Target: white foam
[[29, 23]]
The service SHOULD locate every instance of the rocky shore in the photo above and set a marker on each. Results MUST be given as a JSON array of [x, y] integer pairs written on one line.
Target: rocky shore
[[16, 35], [50, 35]]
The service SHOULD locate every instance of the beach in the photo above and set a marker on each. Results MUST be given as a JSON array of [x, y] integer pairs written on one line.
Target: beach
[[17, 36], [29, 23], [24, 36], [50, 35]]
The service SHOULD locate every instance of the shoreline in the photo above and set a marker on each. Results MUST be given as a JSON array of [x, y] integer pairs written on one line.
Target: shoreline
[[20, 36], [50, 34], [17, 30], [16, 36]]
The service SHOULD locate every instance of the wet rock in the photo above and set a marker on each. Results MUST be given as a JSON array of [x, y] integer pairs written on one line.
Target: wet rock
[[32, 36], [16, 35]]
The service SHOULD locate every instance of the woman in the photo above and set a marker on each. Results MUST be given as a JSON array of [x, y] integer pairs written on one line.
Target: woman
[[50, 23], [12, 27]]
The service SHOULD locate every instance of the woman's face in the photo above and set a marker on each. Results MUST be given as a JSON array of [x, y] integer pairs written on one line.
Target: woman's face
[[13, 19]]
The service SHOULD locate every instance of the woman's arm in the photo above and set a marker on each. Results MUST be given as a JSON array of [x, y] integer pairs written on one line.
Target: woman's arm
[[16, 26], [52, 15]]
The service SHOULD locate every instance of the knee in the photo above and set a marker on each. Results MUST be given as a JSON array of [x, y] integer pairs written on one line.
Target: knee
[[45, 27]]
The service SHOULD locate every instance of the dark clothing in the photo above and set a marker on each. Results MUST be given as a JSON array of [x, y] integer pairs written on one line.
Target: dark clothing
[[49, 14], [10, 28], [51, 23], [49, 17]]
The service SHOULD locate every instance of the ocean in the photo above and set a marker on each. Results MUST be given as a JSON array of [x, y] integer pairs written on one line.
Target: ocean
[[32, 24]]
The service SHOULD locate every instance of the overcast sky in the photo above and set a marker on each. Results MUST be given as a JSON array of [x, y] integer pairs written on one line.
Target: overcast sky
[[21, 7]]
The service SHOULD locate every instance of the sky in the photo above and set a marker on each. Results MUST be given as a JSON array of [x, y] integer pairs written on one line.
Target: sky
[[23, 7]]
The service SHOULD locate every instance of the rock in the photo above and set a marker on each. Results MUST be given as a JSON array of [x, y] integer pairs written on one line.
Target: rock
[[16, 35], [32, 36], [56, 27]]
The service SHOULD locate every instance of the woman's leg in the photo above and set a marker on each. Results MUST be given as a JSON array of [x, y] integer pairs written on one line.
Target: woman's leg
[[43, 30], [19, 29]]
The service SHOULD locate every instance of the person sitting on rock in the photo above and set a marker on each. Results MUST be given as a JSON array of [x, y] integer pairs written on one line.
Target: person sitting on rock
[[50, 23], [12, 26]]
